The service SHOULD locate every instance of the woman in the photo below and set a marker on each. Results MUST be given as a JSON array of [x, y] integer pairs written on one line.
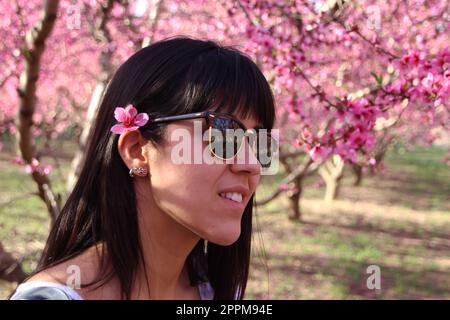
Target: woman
[[139, 225]]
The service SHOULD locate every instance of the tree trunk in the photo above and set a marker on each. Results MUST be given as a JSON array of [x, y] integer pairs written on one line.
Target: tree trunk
[[294, 200], [32, 52], [332, 172], [10, 268], [77, 160], [357, 170], [379, 156], [332, 189]]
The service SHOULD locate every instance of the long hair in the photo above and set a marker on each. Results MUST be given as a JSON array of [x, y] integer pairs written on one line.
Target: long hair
[[170, 77]]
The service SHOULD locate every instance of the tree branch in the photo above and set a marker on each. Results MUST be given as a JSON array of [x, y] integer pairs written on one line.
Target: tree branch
[[300, 171]]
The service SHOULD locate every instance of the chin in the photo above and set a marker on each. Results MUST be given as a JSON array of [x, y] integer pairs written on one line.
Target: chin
[[225, 237]]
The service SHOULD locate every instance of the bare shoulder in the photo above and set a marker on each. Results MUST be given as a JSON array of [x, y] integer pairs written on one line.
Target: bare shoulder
[[83, 267], [85, 263]]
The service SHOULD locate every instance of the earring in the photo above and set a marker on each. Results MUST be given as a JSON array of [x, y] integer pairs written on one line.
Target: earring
[[205, 247], [140, 171]]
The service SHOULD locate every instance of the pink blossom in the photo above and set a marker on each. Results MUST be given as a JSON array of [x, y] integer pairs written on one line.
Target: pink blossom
[[318, 184], [428, 81], [284, 187], [307, 135], [129, 118], [318, 152], [413, 58], [17, 160], [37, 167]]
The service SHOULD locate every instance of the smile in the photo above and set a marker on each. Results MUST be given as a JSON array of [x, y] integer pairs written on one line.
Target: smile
[[233, 196]]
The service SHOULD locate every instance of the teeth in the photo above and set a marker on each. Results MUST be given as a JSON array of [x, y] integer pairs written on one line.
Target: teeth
[[235, 196]]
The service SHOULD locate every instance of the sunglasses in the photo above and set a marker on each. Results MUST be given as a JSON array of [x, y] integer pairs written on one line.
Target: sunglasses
[[226, 135]]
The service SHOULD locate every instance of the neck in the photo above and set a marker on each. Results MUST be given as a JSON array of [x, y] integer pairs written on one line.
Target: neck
[[166, 245]]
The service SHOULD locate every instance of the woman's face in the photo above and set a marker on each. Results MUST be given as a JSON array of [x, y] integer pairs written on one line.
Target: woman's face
[[194, 194]]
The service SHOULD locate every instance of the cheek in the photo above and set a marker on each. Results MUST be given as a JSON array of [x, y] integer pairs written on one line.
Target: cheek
[[184, 184], [186, 192], [178, 183]]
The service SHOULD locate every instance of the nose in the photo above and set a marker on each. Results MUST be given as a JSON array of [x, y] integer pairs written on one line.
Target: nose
[[246, 161]]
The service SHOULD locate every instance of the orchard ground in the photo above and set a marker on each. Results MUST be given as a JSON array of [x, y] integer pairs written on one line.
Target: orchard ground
[[398, 220]]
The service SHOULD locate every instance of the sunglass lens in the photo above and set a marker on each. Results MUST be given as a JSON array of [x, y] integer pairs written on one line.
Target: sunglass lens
[[224, 138]]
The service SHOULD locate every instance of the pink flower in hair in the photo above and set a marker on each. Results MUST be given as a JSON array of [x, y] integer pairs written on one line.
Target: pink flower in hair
[[129, 119]]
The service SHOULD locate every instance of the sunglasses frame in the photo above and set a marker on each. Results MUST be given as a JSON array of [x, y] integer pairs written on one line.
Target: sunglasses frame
[[208, 115]]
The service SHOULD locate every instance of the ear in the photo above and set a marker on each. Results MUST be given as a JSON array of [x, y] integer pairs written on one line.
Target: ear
[[131, 146]]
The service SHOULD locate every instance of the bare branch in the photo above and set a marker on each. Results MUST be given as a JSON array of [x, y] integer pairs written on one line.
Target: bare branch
[[300, 171]]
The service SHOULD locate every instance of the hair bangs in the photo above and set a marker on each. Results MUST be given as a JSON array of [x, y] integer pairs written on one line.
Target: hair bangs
[[224, 80]]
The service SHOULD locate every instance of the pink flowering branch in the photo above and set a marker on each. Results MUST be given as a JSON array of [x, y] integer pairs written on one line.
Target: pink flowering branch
[[376, 46]]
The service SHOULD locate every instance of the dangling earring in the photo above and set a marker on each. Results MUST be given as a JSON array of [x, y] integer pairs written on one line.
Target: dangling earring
[[205, 247], [140, 171]]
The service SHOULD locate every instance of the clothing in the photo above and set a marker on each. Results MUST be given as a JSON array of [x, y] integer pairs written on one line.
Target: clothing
[[44, 290]]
